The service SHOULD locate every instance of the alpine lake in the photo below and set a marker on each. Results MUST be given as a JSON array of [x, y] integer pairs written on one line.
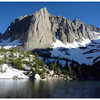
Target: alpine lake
[[57, 88]]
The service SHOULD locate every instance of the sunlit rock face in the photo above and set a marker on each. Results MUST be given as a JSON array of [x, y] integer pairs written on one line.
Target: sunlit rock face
[[33, 30], [41, 29]]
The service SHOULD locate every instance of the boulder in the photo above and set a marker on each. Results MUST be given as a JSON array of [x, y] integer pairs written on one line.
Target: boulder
[[51, 72], [69, 78], [15, 77], [37, 77]]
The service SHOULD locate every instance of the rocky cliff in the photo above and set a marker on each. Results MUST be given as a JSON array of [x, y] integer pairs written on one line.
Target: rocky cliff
[[41, 29]]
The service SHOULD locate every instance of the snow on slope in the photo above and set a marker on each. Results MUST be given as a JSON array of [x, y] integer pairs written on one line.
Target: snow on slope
[[7, 44], [75, 44], [75, 52], [10, 72]]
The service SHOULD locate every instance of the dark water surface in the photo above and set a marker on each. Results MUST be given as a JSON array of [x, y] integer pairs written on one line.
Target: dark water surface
[[49, 89]]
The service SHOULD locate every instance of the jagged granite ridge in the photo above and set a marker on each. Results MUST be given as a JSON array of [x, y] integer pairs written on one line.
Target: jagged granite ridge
[[41, 29]]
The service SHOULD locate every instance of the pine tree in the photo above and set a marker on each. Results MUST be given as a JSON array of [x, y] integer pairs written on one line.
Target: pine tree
[[66, 65], [55, 67], [12, 53], [36, 68], [71, 71], [3, 49], [36, 57], [58, 71], [65, 73], [5, 58], [58, 62], [20, 64], [1, 69], [43, 74], [52, 67], [1, 65], [30, 62], [29, 58], [79, 71], [43, 65]]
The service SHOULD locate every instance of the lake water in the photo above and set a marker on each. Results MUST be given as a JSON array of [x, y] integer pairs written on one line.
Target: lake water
[[49, 89]]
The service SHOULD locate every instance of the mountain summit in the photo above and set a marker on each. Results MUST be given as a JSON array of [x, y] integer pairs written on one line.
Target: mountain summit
[[41, 29]]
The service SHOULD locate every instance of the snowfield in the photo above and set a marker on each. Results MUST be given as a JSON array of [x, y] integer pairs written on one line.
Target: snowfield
[[7, 44], [76, 50], [9, 72]]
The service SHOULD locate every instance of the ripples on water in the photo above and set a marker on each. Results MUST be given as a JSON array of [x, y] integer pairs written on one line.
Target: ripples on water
[[49, 89]]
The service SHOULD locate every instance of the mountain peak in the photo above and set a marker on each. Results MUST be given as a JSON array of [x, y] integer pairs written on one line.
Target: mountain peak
[[77, 21], [44, 9]]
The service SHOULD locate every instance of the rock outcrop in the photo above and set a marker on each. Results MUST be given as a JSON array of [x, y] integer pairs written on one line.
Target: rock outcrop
[[69, 31], [41, 29], [93, 28]]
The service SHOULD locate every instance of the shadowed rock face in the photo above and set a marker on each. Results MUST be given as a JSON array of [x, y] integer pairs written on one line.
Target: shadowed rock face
[[41, 29], [0, 36]]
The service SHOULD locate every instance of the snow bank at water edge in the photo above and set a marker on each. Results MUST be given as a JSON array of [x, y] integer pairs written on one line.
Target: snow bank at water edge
[[9, 72]]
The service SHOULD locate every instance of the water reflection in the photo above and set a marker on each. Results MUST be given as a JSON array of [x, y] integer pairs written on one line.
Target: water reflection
[[48, 89]]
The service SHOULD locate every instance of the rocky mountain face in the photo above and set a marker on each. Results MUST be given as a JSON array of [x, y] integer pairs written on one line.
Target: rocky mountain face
[[0, 36], [41, 29], [34, 30], [69, 31]]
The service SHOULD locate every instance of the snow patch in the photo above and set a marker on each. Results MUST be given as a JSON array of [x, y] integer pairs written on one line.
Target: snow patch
[[96, 33], [9, 72], [75, 44], [7, 44]]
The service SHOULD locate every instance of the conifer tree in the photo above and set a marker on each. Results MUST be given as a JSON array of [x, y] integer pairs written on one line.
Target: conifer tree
[[1, 65], [55, 67], [52, 67], [43, 74], [66, 65], [65, 73], [43, 65], [5, 58], [58, 71], [36, 68], [36, 57], [79, 70], [3, 49], [12, 53], [71, 71], [20, 64]]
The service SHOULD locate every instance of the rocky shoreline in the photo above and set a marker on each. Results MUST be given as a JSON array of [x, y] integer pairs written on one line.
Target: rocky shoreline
[[15, 74]]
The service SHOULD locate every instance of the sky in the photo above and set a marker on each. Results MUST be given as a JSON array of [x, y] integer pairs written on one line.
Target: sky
[[88, 12]]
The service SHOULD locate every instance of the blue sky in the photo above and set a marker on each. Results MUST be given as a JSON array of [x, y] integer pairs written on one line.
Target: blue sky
[[88, 12]]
